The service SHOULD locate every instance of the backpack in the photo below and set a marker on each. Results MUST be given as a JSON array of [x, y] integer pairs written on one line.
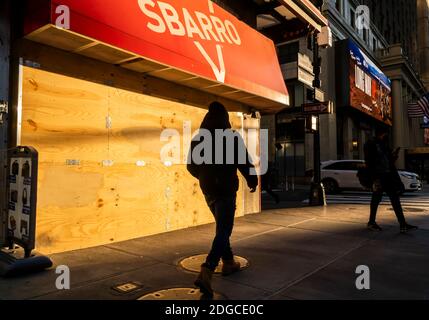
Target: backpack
[[365, 177]]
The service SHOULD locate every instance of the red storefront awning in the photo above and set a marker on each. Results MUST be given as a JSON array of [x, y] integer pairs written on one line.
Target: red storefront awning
[[195, 43]]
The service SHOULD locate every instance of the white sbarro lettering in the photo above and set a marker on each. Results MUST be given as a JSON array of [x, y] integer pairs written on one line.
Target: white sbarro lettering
[[171, 18], [160, 27], [233, 33], [220, 29], [219, 72], [206, 26], [189, 24]]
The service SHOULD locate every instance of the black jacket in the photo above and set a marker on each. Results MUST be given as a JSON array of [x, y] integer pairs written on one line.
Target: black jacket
[[220, 179], [380, 161], [379, 157]]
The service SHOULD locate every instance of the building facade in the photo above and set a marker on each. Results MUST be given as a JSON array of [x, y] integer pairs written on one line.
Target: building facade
[[97, 97], [423, 39], [354, 126], [291, 147], [406, 61], [94, 97], [387, 39]]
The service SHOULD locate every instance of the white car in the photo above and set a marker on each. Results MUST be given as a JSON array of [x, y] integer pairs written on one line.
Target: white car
[[338, 175]]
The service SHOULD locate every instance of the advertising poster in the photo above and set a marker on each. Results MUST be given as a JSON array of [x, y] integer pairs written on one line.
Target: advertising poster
[[22, 198], [360, 84], [370, 88]]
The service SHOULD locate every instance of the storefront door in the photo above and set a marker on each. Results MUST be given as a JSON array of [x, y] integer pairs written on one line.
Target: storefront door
[[290, 163]]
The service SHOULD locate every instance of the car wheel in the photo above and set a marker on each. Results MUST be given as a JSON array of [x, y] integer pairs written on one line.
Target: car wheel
[[331, 186]]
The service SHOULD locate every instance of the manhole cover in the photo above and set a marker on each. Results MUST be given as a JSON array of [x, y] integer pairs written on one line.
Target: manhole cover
[[180, 294], [411, 209], [194, 263]]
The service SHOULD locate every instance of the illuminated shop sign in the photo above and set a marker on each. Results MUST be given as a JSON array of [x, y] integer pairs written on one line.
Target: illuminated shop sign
[[361, 84], [197, 37], [370, 88]]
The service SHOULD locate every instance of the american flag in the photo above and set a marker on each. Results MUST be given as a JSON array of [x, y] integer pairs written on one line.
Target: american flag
[[414, 111], [420, 108]]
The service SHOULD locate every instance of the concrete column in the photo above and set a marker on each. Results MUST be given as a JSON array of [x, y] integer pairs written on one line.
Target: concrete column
[[399, 121], [423, 39], [4, 95], [309, 154], [328, 137]]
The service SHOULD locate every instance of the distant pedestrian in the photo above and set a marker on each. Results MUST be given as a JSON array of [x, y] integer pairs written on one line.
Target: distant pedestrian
[[380, 161], [219, 184], [266, 184]]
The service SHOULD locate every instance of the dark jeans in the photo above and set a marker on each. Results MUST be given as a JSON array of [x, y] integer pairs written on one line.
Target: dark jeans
[[386, 184], [223, 209]]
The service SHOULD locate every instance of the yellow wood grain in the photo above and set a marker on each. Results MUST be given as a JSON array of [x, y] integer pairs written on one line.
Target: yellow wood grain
[[251, 126], [86, 205], [64, 117]]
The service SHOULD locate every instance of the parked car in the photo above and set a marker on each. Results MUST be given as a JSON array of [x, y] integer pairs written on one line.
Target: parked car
[[338, 175]]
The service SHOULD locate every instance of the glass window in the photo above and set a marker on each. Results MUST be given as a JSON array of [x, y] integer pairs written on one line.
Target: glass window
[[335, 166], [352, 18], [342, 166], [309, 94], [359, 165], [338, 5], [290, 160], [299, 95], [294, 130], [300, 159], [349, 166]]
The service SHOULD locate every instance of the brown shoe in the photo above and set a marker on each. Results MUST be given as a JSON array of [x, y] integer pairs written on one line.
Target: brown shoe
[[204, 281], [230, 267]]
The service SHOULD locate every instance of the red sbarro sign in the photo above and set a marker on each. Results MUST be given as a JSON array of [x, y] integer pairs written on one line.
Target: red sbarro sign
[[195, 36]]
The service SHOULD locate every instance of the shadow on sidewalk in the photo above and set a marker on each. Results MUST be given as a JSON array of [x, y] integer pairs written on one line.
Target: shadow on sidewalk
[[287, 199]]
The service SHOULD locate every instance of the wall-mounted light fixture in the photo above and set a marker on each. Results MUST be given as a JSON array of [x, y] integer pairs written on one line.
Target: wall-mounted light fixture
[[312, 124]]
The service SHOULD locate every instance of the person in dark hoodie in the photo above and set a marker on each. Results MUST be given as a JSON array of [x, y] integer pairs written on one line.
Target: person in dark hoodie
[[215, 166], [380, 161]]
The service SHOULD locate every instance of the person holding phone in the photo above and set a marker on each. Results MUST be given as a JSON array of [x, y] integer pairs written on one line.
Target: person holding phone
[[380, 161]]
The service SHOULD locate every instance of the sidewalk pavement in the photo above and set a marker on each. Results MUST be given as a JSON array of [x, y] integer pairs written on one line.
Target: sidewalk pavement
[[302, 253], [288, 199]]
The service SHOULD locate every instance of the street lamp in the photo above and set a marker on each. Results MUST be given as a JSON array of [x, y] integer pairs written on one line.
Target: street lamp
[[317, 191]]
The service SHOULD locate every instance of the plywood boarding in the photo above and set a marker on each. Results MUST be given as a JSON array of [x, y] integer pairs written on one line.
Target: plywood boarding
[[251, 134], [81, 67], [87, 204]]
